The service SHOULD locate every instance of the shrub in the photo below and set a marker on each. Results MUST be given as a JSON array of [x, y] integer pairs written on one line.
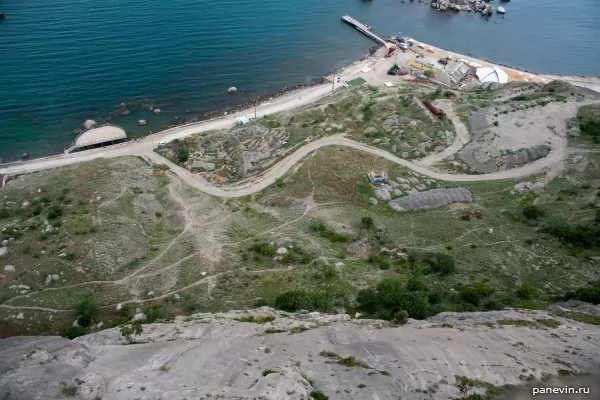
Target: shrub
[[269, 372], [130, 331], [589, 294], [429, 73], [154, 313], [327, 233], [533, 212], [527, 292], [182, 155], [55, 211], [86, 311], [75, 331], [367, 222], [390, 297], [318, 395], [475, 293], [401, 317], [296, 300], [440, 263]]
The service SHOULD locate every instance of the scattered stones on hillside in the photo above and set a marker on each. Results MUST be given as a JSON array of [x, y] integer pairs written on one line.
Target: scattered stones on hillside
[[373, 201], [3, 251], [527, 187]]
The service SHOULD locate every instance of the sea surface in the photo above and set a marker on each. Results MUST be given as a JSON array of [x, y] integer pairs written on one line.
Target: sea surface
[[64, 61]]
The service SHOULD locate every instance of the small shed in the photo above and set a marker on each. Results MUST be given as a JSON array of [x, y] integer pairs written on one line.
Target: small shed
[[377, 178]]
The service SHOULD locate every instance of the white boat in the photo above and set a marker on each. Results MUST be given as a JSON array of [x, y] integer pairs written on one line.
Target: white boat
[[501, 10]]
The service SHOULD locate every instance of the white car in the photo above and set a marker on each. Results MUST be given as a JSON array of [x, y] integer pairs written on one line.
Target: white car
[[245, 120], [162, 142]]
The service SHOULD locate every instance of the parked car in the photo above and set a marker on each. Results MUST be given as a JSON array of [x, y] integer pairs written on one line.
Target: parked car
[[245, 120]]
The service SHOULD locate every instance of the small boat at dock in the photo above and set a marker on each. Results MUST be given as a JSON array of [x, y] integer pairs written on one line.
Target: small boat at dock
[[500, 10]]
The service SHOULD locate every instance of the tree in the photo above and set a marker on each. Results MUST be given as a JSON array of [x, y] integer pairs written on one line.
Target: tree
[[429, 73], [131, 330], [86, 311], [367, 222]]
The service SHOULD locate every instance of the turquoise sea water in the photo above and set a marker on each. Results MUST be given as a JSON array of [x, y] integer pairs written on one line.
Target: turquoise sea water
[[64, 61]]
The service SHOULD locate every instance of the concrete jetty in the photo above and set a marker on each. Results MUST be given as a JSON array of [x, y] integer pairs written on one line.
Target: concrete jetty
[[363, 29]]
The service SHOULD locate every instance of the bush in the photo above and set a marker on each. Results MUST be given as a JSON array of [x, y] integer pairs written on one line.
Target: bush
[[475, 293], [527, 292], [441, 263], [389, 297], [584, 236], [86, 311], [129, 332], [154, 313], [533, 212], [296, 300], [75, 331], [327, 233], [401, 317], [182, 155], [318, 395], [367, 222], [429, 73], [589, 294], [55, 211]]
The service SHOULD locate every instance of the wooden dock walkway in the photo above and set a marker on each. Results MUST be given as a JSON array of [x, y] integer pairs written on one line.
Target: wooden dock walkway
[[363, 29]]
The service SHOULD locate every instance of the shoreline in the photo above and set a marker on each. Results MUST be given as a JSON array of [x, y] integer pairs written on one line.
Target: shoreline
[[375, 56]]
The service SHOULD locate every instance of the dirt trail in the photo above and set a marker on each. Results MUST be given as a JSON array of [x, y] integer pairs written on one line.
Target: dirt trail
[[461, 137]]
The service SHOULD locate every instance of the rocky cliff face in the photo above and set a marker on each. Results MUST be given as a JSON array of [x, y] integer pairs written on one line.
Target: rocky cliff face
[[287, 356]]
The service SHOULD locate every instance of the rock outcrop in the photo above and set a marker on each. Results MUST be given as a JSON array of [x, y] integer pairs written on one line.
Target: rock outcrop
[[217, 356]]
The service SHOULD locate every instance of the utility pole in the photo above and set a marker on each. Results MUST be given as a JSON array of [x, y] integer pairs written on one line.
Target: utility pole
[[255, 108]]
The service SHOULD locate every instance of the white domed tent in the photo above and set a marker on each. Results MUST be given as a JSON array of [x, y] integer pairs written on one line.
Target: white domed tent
[[492, 74]]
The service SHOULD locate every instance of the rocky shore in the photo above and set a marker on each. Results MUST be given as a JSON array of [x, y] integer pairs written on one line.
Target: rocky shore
[[480, 6]]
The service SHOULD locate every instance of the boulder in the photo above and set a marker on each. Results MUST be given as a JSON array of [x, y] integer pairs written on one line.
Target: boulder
[[383, 193], [9, 268], [232, 90], [157, 111], [55, 277], [3, 251], [89, 124], [139, 317], [282, 251], [4, 243], [373, 201]]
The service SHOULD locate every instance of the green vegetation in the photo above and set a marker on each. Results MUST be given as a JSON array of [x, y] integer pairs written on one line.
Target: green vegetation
[[350, 361], [269, 372], [589, 294], [327, 233], [130, 331], [318, 395], [297, 300], [589, 122], [86, 311], [258, 320]]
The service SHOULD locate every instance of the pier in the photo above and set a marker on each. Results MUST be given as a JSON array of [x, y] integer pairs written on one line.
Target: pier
[[363, 29]]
